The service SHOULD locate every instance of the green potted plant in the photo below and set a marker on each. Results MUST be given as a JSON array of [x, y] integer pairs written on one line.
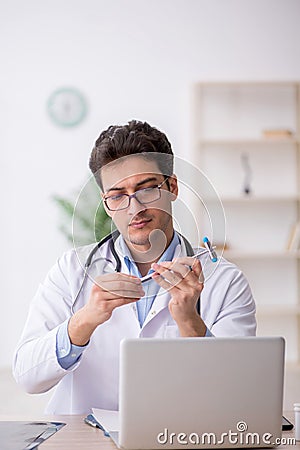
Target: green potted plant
[[84, 219]]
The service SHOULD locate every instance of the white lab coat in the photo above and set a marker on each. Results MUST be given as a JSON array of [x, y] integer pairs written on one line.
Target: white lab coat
[[227, 308]]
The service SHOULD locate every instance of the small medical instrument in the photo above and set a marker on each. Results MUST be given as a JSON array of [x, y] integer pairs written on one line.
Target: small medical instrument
[[213, 255]]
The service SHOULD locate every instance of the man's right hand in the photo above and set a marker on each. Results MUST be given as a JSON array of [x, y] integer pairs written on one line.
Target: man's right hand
[[108, 292]]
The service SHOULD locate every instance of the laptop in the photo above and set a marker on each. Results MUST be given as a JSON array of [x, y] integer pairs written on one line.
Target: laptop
[[199, 393]]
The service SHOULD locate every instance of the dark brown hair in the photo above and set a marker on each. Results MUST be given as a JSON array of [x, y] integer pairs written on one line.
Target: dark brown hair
[[134, 138]]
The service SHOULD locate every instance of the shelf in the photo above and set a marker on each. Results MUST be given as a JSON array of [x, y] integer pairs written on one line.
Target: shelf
[[238, 142], [253, 199], [258, 83], [236, 254], [278, 310]]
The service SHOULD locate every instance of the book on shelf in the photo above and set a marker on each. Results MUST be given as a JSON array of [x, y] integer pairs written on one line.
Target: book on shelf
[[293, 243], [278, 133]]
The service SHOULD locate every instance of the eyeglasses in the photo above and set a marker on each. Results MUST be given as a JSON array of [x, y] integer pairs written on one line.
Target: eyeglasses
[[143, 196]]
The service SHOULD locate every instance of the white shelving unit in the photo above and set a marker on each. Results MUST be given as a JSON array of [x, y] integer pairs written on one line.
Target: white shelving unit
[[232, 151]]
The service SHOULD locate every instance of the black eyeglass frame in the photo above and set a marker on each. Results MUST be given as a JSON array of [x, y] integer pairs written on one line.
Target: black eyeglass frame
[[134, 195]]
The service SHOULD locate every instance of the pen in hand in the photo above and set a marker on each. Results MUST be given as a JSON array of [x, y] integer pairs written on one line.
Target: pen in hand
[[93, 422], [208, 249]]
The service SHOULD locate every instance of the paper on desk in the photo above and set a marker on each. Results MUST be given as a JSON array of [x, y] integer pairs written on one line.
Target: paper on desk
[[108, 419]]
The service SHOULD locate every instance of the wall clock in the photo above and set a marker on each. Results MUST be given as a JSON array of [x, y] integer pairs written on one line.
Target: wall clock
[[67, 107]]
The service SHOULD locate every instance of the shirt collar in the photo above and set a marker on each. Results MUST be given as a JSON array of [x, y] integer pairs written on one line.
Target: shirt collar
[[166, 256]]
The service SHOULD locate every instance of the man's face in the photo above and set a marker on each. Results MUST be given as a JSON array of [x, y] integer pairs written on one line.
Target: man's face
[[127, 176]]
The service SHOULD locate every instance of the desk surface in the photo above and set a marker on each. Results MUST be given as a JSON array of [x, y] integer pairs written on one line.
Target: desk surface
[[76, 435]]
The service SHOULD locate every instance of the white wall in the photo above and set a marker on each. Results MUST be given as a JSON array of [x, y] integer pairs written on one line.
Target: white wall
[[132, 59]]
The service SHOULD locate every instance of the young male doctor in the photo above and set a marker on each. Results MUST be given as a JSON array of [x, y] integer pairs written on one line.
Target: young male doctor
[[78, 353]]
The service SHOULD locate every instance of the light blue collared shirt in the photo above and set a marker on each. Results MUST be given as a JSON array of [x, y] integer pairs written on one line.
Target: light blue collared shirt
[[68, 354], [151, 288]]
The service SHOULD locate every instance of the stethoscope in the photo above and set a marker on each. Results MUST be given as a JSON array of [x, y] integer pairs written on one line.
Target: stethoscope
[[111, 238]]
